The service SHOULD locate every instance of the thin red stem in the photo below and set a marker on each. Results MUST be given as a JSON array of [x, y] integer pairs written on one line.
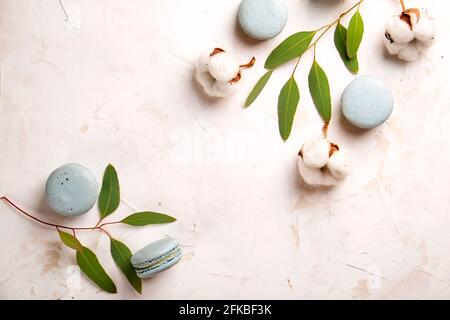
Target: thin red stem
[[57, 226], [98, 223], [105, 231], [108, 223], [403, 5]]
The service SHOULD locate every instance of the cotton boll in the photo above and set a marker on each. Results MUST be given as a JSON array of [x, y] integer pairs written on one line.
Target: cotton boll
[[219, 73], [421, 47], [202, 74], [215, 88], [425, 31], [315, 177], [410, 34], [393, 47], [223, 67], [311, 176], [210, 84], [316, 153], [337, 165], [398, 30], [224, 89], [202, 63], [410, 53]]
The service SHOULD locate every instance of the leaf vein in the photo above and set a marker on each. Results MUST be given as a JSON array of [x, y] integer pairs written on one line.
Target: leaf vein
[[98, 275]]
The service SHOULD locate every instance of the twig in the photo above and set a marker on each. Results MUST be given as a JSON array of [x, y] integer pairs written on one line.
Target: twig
[[325, 129], [58, 226], [327, 27], [106, 232], [108, 223]]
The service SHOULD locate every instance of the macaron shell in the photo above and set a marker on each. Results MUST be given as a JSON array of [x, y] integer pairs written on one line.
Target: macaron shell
[[262, 19], [154, 250], [367, 102], [166, 265], [71, 190]]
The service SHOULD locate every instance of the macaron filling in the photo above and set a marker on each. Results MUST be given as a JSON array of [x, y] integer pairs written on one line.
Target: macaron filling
[[155, 263]]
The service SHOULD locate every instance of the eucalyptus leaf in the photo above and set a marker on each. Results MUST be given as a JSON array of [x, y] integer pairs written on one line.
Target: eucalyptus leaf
[[70, 240], [355, 34], [122, 255], [340, 41], [109, 198], [91, 267], [320, 91], [287, 106], [140, 219], [258, 88], [293, 47]]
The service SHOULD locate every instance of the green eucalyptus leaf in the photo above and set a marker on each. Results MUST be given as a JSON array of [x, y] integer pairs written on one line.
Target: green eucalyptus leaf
[[287, 106], [91, 267], [293, 47], [355, 34], [109, 198], [340, 41], [258, 88], [70, 240], [320, 91], [122, 255], [145, 218]]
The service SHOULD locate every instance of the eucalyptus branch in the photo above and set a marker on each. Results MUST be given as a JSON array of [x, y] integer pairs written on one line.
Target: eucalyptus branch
[[108, 202], [50, 224], [347, 42], [327, 28]]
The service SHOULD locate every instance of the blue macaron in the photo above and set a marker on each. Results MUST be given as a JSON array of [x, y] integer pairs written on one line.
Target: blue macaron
[[367, 102], [156, 257], [71, 190], [262, 19]]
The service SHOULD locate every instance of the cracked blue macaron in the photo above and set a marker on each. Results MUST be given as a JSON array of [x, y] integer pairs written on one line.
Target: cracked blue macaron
[[367, 102], [262, 19], [71, 190], [156, 257]]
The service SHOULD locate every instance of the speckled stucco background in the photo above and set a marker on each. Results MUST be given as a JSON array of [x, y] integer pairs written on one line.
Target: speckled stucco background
[[111, 82]]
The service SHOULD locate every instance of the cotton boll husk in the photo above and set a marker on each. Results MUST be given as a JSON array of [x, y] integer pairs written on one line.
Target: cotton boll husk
[[398, 30], [410, 53], [414, 18], [316, 153], [338, 165], [393, 47], [223, 67]]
